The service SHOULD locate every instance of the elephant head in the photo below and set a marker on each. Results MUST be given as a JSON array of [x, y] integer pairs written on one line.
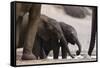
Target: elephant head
[[70, 35], [55, 29]]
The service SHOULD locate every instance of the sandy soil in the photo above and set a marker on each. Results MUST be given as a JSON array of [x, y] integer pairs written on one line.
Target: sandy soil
[[50, 59]]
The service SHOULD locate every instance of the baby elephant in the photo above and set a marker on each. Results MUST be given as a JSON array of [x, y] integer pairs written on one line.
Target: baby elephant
[[71, 37], [52, 35]]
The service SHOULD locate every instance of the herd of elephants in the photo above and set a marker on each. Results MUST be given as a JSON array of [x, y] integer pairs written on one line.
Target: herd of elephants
[[42, 34]]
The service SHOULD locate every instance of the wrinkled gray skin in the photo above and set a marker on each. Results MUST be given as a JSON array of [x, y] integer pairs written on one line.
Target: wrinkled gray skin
[[25, 35], [70, 35], [49, 32]]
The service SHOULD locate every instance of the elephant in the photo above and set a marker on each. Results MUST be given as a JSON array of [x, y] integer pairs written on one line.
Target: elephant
[[76, 11], [25, 35], [50, 36], [93, 30], [70, 35]]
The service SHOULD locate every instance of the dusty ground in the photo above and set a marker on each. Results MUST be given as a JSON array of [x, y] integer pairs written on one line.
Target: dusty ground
[[82, 57], [47, 61]]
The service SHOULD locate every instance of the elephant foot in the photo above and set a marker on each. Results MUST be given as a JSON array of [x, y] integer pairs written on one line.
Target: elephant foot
[[28, 57], [64, 57], [77, 52], [55, 57]]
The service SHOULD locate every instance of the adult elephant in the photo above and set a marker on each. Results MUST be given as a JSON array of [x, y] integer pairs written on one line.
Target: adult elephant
[[25, 36], [51, 37]]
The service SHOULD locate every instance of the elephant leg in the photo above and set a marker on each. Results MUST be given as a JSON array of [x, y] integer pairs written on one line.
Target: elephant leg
[[92, 44], [63, 51], [18, 30], [42, 52], [93, 31], [56, 52], [19, 25], [46, 52], [45, 49], [36, 49], [63, 40], [30, 32]]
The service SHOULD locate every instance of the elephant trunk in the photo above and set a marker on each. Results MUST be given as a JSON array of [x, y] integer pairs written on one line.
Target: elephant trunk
[[65, 44], [79, 47]]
